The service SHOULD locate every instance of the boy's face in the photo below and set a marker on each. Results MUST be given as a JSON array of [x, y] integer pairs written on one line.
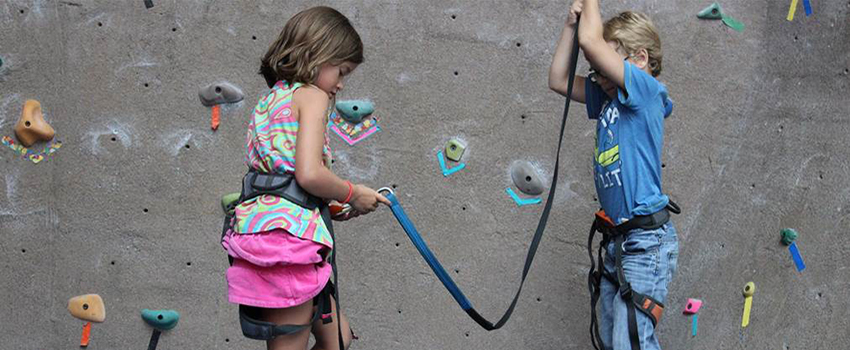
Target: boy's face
[[607, 85]]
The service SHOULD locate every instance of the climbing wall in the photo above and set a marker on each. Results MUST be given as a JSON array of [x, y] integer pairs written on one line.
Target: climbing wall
[[129, 206]]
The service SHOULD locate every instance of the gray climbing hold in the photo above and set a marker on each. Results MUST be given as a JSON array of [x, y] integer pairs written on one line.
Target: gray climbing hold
[[526, 178], [218, 93], [354, 111]]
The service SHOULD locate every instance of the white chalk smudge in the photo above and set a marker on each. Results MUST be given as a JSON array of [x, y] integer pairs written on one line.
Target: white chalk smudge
[[404, 78], [143, 63], [11, 181], [121, 132], [177, 140], [366, 173]]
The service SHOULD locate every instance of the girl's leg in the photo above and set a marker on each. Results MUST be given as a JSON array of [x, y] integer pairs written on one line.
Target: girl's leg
[[326, 335], [295, 315]]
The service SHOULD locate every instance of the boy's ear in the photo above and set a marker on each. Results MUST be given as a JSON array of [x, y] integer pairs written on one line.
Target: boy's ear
[[642, 59]]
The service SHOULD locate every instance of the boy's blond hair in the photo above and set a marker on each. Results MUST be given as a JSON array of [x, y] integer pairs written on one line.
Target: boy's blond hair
[[634, 31], [310, 39]]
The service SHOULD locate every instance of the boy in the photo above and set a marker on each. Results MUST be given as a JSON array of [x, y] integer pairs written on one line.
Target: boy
[[630, 105]]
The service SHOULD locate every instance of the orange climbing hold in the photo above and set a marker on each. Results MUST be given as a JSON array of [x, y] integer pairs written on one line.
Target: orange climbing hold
[[216, 116], [84, 341]]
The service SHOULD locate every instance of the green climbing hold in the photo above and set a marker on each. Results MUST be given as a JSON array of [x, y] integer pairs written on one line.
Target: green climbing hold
[[789, 235], [228, 200], [354, 111], [711, 12], [161, 319], [454, 150]]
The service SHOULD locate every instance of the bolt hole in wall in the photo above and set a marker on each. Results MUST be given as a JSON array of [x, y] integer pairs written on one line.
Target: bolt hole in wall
[[173, 29], [226, 340], [518, 44], [253, 37], [112, 262], [100, 24], [188, 263], [146, 85], [113, 139], [22, 11], [23, 250], [453, 16], [456, 73], [145, 210]]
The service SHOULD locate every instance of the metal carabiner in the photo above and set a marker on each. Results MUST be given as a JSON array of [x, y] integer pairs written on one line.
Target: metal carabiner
[[386, 189]]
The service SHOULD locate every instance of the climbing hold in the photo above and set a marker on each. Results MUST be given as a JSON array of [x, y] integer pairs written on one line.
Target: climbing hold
[[87, 307], [148, 3], [228, 200], [355, 110], [454, 150], [526, 178], [693, 306], [798, 259], [789, 235], [161, 319], [1, 62], [32, 127], [749, 291], [713, 11], [219, 93]]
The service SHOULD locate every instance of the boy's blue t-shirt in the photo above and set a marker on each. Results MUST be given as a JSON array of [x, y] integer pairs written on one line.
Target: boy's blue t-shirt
[[629, 137]]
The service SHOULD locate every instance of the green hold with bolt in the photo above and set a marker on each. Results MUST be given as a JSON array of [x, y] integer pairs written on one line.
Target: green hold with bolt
[[789, 235], [454, 150]]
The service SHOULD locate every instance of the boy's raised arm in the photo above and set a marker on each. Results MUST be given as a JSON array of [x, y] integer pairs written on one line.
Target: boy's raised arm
[[558, 79], [604, 58]]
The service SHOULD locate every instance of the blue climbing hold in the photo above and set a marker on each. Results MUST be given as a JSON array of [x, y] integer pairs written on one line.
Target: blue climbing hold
[[161, 319], [354, 111]]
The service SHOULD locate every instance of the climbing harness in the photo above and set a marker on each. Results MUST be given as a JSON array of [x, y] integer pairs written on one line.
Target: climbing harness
[[435, 265], [634, 301], [285, 186]]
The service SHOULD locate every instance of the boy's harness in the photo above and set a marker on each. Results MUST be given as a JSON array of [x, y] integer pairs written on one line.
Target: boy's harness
[[255, 184], [634, 300]]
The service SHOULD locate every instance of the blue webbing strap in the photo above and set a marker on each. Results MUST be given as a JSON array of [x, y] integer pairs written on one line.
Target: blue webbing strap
[[444, 277]]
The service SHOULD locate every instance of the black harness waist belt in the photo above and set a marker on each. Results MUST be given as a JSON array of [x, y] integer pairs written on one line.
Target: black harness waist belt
[[634, 301]]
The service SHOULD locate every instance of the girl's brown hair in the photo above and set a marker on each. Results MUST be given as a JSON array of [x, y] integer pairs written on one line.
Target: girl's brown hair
[[310, 39]]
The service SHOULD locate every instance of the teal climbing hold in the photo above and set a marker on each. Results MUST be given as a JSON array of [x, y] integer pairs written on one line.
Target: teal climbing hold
[[789, 235], [711, 12], [354, 111], [1, 62], [161, 319]]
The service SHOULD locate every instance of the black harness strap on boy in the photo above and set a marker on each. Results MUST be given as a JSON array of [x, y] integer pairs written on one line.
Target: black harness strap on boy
[[634, 300], [255, 184]]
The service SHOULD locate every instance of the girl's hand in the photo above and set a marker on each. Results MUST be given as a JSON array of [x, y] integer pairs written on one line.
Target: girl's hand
[[347, 216], [365, 200], [575, 11]]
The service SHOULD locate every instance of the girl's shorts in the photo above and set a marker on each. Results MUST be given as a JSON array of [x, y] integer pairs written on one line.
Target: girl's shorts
[[274, 269]]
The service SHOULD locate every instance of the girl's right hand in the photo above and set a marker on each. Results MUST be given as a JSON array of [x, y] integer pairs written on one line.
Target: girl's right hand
[[365, 200], [575, 11]]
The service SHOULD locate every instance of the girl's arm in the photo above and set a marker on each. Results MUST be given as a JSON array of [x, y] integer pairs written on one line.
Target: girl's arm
[[312, 104], [604, 58], [558, 79]]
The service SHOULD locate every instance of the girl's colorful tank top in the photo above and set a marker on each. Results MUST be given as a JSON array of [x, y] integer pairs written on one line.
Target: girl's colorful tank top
[[271, 149]]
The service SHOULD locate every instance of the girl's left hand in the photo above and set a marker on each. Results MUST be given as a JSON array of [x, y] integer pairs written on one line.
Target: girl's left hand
[[347, 216]]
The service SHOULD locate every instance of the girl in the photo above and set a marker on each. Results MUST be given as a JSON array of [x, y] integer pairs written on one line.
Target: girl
[[279, 249]]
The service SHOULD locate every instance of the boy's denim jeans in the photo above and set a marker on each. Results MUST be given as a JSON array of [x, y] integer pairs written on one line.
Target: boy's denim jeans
[[649, 262]]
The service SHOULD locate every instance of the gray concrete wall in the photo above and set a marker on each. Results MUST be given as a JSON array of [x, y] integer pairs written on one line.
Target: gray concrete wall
[[129, 206]]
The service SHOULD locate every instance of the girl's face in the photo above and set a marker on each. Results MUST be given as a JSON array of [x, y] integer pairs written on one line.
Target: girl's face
[[330, 77]]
